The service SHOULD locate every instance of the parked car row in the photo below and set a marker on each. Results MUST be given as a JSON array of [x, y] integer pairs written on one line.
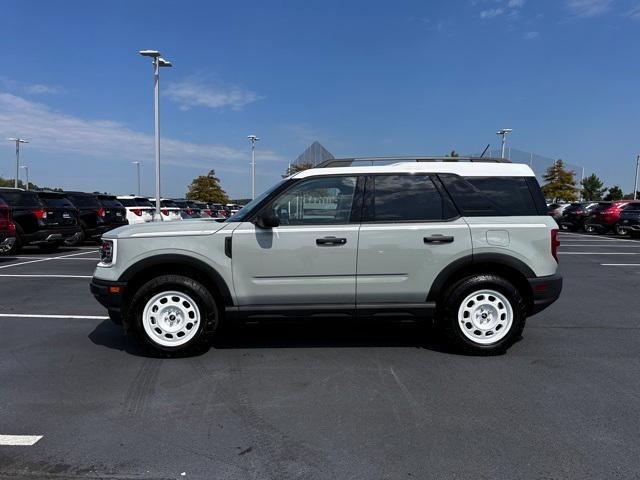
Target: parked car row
[[621, 217], [49, 219]]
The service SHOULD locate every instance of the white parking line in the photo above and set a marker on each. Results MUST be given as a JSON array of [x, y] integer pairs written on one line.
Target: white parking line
[[43, 260], [9, 275], [77, 317], [598, 253], [19, 440], [620, 264], [60, 258]]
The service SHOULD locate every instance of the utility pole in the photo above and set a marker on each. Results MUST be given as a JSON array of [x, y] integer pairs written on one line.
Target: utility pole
[[137, 164], [253, 139], [26, 169], [504, 132], [635, 185], [18, 142]]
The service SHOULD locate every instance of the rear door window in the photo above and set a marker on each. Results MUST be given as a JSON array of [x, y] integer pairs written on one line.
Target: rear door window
[[405, 198]]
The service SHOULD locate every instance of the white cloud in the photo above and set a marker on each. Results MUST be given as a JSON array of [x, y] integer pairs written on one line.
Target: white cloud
[[39, 88], [634, 13], [51, 131], [531, 35], [589, 8], [491, 13], [194, 92], [516, 3]]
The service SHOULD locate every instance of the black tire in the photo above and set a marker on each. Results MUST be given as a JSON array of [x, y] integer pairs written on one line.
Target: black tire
[[49, 247], [620, 230], [452, 301], [16, 248], [202, 297], [590, 229]]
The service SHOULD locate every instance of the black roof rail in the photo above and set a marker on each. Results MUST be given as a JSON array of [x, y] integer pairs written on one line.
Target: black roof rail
[[348, 162]]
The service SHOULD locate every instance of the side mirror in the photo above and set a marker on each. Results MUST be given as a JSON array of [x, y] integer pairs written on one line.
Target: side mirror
[[267, 219]]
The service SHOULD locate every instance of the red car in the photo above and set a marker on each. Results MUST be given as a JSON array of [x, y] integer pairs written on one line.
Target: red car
[[604, 217], [7, 228]]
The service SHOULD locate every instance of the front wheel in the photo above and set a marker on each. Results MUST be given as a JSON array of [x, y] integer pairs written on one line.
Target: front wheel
[[620, 230], [173, 314], [483, 314]]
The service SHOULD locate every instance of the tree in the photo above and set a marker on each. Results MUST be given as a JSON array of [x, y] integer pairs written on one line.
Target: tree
[[592, 188], [206, 188], [615, 193], [560, 183], [297, 167]]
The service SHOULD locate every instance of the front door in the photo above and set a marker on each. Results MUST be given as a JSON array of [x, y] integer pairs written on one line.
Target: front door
[[311, 257]]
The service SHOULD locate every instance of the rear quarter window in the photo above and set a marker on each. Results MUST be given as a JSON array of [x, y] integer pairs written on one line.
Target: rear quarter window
[[495, 196]]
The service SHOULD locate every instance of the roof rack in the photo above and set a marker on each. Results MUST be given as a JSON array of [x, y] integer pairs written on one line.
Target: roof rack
[[348, 162]]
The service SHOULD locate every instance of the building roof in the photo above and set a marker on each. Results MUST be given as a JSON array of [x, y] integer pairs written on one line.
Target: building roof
[[314, 154]]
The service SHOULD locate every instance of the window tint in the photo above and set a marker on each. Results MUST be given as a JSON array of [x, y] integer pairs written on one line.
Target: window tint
[[109, 202], [143, 202], [169, 204], [21, 199], [55, 201], [405, 198], [633, 206], [494, 196], [127, 202], [325, 200], [84, 201]]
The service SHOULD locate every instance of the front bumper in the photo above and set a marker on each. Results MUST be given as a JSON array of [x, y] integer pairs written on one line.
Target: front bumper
[[546, 290], [109, 294]]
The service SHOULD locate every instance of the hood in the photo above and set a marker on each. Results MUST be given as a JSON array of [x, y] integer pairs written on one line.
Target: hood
[[166, 229]]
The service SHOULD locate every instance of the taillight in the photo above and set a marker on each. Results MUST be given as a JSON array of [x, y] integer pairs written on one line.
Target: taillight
[[555, 244], [165, 212], [40, 213], [101, 212], [137, 211]]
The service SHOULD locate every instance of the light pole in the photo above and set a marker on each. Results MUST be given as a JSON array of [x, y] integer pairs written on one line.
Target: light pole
[[26, 169], [635, 184], [137, 164], [158, 62], [253, 139], [504, 132], [18, 142]]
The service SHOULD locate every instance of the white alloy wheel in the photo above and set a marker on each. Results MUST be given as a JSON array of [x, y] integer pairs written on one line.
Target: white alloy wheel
[[485, 317], [171, 318], [620, 230]]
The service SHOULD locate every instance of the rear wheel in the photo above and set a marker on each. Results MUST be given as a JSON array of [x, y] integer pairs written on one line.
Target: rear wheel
[[483, 314], [173, 314], [590, 228], [16, 248], [620, 230]]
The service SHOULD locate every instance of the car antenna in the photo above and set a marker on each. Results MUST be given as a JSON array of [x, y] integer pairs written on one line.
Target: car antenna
[[485, 150]]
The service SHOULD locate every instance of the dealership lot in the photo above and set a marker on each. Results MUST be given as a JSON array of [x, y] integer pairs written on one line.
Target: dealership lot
[[79, 399]]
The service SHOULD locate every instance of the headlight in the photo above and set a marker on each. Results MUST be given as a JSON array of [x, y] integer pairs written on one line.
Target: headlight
[[107, 253]]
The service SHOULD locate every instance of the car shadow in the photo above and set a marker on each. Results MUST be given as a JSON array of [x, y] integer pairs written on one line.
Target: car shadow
[[298, 335]]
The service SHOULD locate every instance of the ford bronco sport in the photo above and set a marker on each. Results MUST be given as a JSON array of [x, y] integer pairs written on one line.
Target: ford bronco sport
[[467, 244]]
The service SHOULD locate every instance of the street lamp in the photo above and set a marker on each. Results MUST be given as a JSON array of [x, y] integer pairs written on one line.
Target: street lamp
[[253, 139], [26, 168], [137, 164], [635, 185], [504, 132], [18, 142], [158, 62]]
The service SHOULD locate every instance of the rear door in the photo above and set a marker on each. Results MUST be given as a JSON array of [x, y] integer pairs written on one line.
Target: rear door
[[410, 232], [311, 257]]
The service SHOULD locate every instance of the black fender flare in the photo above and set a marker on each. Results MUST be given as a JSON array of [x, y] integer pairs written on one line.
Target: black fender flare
[[183, 260], [474, 260]]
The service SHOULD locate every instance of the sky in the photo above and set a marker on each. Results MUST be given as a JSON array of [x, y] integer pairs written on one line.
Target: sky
[[365, 78]]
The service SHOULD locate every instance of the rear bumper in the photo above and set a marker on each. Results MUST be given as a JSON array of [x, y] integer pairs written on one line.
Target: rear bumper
[[109, 294], [50, 235], [546, 290]]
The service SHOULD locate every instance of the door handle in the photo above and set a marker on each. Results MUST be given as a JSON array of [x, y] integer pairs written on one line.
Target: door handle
[[331, 241], [438, 239]]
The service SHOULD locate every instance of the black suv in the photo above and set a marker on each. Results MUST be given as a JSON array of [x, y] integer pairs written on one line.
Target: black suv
[[114, 214], [629, 221], [574, 215], [92, 217], [38, 223]]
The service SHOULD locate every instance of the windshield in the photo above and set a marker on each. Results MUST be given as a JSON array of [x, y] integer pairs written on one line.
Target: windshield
[[245, 211]]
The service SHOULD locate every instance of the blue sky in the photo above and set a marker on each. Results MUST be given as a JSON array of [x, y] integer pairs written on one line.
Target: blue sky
[[363, 78]]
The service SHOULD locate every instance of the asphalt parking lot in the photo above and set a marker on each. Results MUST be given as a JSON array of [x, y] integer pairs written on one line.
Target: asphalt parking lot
[[322, 402]]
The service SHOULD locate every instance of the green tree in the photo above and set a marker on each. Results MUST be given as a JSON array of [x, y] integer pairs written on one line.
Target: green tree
[[592, 188], [615, 193], [297, 167], [206, 188], [560, 183]]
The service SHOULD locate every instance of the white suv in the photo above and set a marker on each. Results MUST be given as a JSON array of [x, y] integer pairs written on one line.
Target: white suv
[[466, 244], [139, 209]]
